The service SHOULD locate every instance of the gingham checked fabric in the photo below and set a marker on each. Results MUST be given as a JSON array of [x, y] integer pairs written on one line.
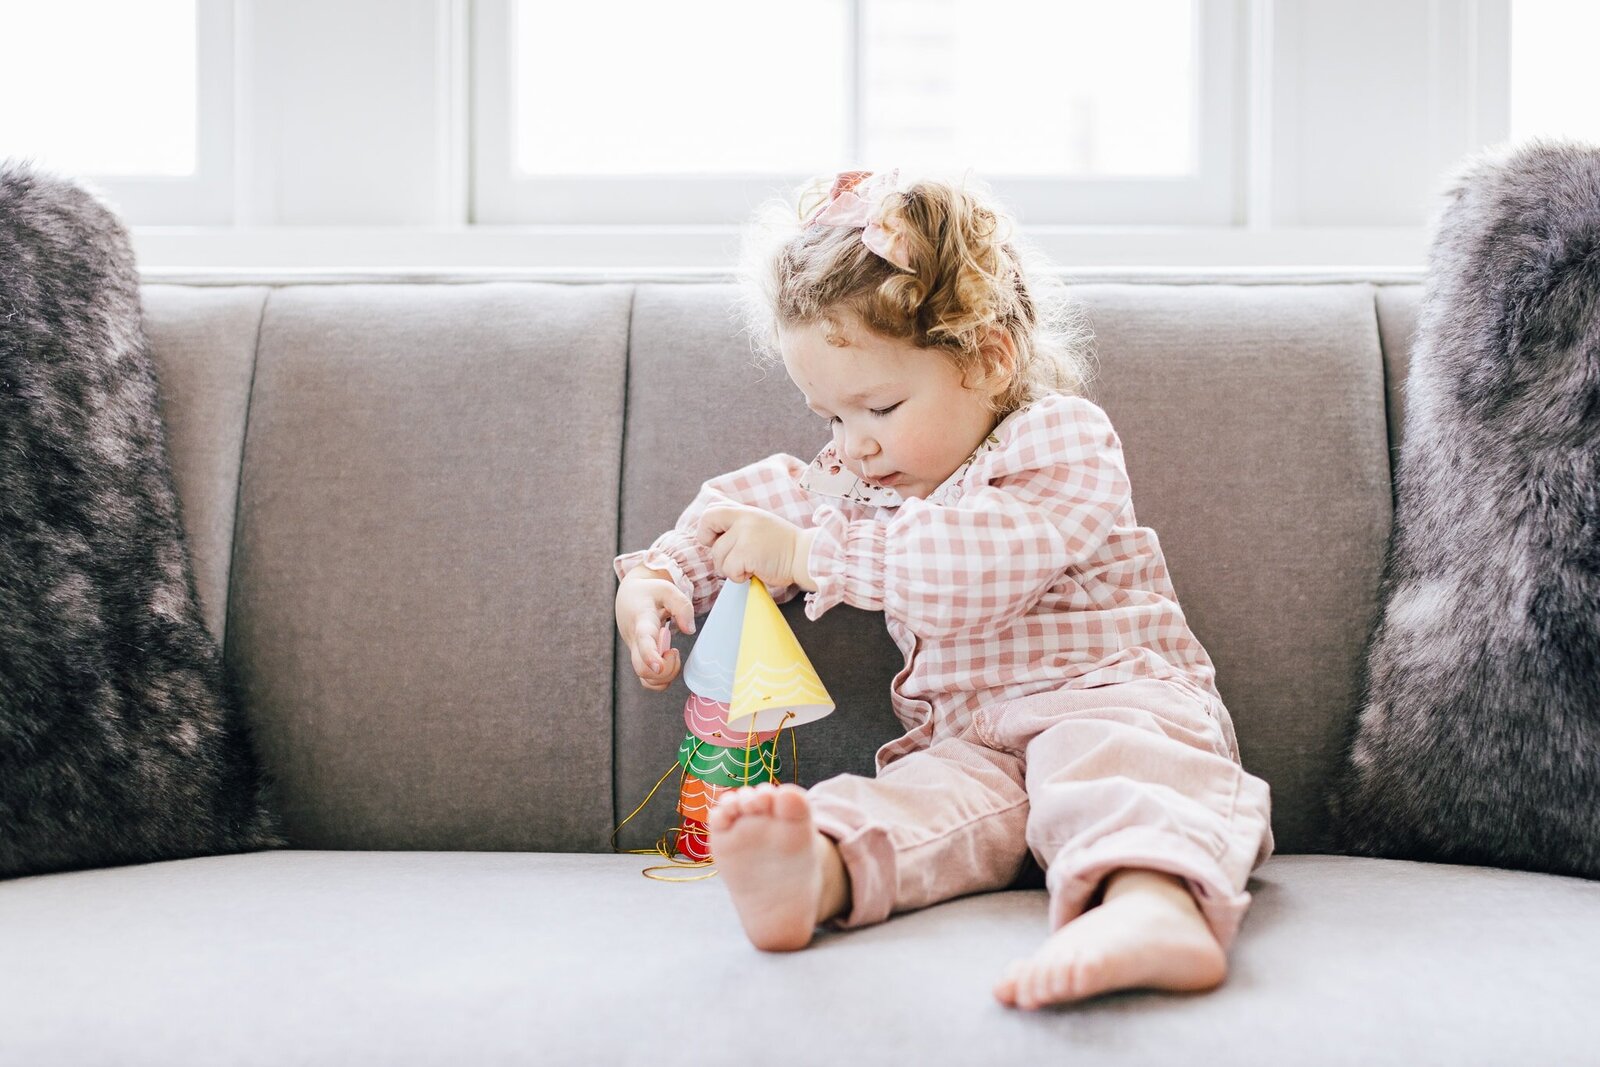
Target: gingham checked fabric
[[1024, 572]]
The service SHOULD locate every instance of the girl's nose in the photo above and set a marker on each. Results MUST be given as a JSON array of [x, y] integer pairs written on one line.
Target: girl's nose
[[856, 446]]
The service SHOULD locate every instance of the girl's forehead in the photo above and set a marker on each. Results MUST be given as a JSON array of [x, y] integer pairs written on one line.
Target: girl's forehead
[[819, 342], [814, 360], [836, 379]]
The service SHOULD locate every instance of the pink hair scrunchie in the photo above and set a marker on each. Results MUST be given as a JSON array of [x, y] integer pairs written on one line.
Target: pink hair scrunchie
[[857, 199]]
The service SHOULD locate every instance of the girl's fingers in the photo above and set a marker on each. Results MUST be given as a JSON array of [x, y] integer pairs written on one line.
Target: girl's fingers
[[683, 613], [727, 561], [658, 674], [714, 522], [640, 666], [645, 656], [659, 682]]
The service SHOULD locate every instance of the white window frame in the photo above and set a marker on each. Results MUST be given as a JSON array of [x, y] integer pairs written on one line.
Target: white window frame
[[502, 197], [305, 167], [206, 197]]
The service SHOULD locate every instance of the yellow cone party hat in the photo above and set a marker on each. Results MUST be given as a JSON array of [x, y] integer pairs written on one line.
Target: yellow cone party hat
[[774, 683]]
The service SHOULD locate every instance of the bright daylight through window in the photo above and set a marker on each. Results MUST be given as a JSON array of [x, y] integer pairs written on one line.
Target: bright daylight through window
[[1550, 41], [778, 88], [122, 100]]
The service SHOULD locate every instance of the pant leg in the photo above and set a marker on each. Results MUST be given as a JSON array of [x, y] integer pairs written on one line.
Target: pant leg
[[1141, 775], [935, 824]]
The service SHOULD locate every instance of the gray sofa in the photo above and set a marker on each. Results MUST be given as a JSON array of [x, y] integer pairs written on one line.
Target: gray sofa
[[404, 496]]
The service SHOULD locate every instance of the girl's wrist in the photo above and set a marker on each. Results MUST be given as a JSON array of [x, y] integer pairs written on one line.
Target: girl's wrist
[[802, 561], [641, 571]]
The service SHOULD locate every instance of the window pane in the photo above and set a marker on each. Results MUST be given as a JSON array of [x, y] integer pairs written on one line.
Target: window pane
[[1552, 80], [714, 86], [100, 86], [1074, 87]]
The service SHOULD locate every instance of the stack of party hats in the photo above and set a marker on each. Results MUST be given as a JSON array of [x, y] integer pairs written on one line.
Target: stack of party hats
[[748, 680]]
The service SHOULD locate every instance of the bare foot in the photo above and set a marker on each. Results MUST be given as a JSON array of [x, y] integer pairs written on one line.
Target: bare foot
[[784, 876], [1148, 934]]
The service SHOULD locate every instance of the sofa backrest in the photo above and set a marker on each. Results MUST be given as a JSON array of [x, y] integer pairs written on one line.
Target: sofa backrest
[[404, 499]]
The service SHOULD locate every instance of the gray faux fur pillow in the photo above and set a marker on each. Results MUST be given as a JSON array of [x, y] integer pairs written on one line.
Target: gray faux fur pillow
[[1480, 739], [118, 742]]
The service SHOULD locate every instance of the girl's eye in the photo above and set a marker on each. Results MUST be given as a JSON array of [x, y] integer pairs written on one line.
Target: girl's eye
[[880, 412]]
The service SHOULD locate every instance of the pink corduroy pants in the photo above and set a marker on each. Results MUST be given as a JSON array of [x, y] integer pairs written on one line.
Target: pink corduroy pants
[[1140, 774]]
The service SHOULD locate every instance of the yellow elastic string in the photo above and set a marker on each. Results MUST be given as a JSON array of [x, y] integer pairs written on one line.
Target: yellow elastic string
[[618, 828], [794, 748], [661, 849], [777, 739]]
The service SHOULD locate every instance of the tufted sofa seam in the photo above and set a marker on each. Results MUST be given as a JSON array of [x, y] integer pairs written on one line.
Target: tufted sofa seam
[[238, 482]]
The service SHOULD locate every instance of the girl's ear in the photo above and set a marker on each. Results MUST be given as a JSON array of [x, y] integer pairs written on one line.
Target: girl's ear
[[999, 352]]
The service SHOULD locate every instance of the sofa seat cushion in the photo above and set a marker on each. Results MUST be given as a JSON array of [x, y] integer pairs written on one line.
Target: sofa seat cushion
[[411, 958]]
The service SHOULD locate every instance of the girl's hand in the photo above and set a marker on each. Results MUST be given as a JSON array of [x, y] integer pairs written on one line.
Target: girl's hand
[[747, 542], [645, 600]]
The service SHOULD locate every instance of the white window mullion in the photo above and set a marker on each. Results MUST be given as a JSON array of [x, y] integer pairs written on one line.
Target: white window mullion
[[855, 91], [452, 116], [1468, 67], [492, 116], [1253, 111]]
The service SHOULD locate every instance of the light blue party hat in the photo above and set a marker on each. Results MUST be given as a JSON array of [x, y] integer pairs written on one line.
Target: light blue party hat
[[709, 672]]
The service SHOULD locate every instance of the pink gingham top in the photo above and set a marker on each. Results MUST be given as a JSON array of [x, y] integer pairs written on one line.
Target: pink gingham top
[[1025, 571]]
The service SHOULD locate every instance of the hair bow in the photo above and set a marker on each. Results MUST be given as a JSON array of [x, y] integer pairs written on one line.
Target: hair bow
[[857, 199]]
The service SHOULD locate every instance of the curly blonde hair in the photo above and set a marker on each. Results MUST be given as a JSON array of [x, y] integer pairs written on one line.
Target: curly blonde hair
[[969, 276]]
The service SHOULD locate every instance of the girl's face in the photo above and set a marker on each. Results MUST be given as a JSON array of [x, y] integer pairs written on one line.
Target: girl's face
[[901, 415]]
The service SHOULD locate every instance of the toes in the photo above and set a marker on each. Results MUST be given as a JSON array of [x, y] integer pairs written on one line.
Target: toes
[[764, 800], [724, 813], [1038, 985], [1062, 981], [1056, 985], [757, 800], [1088, 973], [1022, 975], [790, 802], [1033, 983], [1005, 990]]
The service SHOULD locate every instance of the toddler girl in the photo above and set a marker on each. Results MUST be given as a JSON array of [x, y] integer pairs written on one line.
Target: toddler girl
[[1053, 696]]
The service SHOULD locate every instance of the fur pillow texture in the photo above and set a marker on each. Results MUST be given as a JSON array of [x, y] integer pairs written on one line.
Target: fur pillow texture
[[119, 742], [1479, 741]]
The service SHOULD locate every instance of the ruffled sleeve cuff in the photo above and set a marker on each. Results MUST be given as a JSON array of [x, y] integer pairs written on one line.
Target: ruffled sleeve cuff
[[846, 563], [674, 552]]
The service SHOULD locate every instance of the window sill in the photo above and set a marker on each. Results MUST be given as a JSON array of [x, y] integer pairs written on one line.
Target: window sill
[[713, 250]]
